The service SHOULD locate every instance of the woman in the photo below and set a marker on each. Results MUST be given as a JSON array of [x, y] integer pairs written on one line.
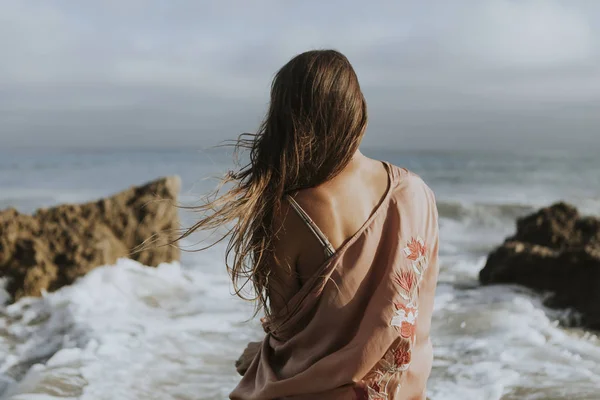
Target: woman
[[341, 249]]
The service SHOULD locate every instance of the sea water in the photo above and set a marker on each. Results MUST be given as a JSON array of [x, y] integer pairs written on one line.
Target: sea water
[[128, 331]]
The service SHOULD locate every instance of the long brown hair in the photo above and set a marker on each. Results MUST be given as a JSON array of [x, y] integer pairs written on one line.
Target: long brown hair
[[316, 119]]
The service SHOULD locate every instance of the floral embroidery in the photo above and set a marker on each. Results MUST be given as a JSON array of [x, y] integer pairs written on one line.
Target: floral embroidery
[[369, 392], [397, 359], [406, 280], [402, 355], [415, 251], [405, 318]]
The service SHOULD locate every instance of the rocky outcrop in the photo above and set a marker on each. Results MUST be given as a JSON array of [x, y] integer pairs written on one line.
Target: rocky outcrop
[[554, 250], [55, 246]]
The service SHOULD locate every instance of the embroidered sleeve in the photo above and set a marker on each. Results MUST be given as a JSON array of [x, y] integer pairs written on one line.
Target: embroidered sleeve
[[378, 384]]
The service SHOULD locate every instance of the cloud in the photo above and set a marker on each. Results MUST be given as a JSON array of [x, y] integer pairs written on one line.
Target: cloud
[[175, 73], [534, 33]]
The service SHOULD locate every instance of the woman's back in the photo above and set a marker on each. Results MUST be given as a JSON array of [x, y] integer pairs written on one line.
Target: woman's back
[[339, 208], [351, 328]]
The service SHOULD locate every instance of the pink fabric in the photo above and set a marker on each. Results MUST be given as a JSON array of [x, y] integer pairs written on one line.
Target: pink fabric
[[359, 329]]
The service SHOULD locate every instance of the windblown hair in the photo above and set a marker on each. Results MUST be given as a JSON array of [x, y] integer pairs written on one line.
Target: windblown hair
[[316, 119]]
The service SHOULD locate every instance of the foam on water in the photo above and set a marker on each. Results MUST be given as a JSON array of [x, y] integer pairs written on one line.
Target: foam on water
[[498, 343], [174, 332], [127, 332], [133, 332]]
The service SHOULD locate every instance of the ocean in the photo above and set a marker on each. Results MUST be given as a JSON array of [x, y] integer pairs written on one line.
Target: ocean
[[174, 332]]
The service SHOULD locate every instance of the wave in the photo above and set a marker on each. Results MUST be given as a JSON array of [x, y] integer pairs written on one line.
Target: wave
[[483, 212], [500, 342], [126, 331], [132, 332]]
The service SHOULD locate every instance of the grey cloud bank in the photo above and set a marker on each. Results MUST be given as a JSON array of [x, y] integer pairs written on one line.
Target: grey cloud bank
[[461, 74]]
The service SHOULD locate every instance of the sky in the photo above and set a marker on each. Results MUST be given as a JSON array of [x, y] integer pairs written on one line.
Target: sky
[[189, 73]]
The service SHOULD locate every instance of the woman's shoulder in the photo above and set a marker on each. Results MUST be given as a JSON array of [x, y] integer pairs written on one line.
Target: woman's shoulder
[[408, 182], [413, 197]]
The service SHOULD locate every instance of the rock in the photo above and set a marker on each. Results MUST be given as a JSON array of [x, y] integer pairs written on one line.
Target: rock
[[552, 226], [554, 250], [55, 246]]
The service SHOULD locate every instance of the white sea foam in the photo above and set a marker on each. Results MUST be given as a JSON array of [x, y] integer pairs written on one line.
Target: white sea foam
[[133, 332], [126, 332], [499, 343], [173, 332]]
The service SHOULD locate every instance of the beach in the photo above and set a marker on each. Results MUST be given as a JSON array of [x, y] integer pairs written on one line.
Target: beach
[[128, 331]]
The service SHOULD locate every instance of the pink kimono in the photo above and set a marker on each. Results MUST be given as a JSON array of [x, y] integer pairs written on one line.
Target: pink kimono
[[359, 328]]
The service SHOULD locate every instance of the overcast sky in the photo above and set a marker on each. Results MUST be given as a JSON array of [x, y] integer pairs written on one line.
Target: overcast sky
[[436, 74]]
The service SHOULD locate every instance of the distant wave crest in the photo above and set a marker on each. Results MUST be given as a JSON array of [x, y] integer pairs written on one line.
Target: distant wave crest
[[482, 212]]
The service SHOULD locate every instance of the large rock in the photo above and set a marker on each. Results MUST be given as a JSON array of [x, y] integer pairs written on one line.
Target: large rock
[[55, 246], [554, 250]]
